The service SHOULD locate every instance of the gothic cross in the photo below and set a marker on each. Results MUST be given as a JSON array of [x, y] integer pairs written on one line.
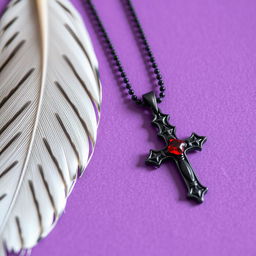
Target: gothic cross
[[176, 150]]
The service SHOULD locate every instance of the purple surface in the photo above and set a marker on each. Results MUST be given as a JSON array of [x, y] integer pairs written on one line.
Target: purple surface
[[206, 51]]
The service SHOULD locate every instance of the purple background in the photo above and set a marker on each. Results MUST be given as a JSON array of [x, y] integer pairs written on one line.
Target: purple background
[[206, 51]]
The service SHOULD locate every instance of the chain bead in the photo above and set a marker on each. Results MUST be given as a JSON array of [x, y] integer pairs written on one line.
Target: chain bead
[[162, 88], [134, 97], [139, 102], [126, 81], [161, 94], [160, 82], [131, 92], [159, 100], [150, 54], [152, 59]]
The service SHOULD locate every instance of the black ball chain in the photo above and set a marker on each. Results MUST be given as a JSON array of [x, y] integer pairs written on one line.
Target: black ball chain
[[141, 36]]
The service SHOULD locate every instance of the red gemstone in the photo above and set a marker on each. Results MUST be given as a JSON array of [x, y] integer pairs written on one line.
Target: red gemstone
[[176, 147]]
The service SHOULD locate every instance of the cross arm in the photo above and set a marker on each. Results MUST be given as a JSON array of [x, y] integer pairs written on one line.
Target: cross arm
[[195, 142], [156, 157]]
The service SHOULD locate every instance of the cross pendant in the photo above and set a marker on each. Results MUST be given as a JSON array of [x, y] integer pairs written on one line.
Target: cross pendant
[[176, 150]]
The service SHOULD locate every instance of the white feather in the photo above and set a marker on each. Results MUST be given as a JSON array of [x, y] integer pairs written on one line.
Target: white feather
[[50, 97]]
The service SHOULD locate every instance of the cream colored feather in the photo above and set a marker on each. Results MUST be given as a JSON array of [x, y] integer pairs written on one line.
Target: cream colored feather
[[50, 97]]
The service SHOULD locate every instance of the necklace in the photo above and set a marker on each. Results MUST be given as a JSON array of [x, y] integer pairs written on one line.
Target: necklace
[[175, 149]]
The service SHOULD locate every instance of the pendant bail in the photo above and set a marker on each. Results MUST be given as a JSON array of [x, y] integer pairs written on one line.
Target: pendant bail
[[150, 100]]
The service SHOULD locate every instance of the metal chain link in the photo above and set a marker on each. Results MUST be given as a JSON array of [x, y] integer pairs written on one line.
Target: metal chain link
[[140, 35]]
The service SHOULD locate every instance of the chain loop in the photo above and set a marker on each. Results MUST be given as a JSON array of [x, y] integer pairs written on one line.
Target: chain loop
[[141, 36]]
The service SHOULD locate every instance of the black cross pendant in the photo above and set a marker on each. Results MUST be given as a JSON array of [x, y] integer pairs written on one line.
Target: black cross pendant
[[175, 149]]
